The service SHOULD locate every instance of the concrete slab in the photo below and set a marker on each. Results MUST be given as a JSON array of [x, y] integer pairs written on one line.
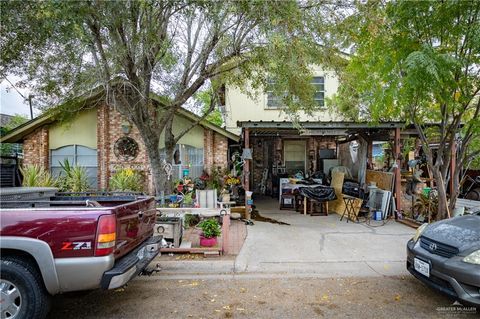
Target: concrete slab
[[322, 245]]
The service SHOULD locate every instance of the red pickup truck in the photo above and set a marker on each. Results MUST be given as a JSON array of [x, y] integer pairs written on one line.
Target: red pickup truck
[[52, 247]]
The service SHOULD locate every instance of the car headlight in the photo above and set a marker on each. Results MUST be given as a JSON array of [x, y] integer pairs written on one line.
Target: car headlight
[[419, 232], [473, 258]]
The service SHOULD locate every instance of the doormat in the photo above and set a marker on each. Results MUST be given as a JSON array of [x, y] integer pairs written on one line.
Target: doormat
[[255, 215]]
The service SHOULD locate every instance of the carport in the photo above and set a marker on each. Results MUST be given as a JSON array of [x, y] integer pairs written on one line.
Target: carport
[[279, 149]]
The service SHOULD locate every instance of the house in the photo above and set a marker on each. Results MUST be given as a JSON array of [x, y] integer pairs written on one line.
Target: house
[[312, 146], [96, 136]]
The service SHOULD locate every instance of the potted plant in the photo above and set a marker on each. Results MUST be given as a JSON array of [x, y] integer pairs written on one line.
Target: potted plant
[[210, 231]]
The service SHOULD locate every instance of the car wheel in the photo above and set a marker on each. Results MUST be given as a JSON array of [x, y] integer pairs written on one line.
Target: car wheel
[[22, 291]]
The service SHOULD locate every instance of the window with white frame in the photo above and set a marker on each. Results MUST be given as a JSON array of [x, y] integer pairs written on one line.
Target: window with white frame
[[319, 85], [274, 101], [77, 155]]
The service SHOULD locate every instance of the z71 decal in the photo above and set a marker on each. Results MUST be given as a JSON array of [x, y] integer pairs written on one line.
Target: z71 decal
[[76, 245]]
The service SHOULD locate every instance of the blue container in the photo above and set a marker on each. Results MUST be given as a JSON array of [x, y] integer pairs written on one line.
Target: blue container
[[377, 215]]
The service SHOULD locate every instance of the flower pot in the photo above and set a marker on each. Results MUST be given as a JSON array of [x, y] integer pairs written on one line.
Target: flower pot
[[208, 242]]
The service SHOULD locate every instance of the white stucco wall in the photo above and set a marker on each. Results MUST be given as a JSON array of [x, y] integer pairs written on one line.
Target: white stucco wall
[[240, 107]]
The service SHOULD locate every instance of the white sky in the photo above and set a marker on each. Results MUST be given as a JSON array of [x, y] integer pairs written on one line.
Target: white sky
[[11, 102]]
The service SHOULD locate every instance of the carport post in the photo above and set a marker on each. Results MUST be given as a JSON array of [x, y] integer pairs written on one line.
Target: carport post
[[225, 232], [398, 182], [246, 173]]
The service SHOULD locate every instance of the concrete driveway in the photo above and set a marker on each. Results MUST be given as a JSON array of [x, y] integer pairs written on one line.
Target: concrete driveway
[[322, 246]]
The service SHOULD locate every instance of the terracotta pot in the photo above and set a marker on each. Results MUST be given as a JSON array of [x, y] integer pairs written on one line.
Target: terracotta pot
[[208, 242]]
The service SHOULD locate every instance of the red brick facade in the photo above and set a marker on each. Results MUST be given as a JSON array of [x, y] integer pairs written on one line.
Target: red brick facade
[[215, 150], [109, 130], [35, 148]]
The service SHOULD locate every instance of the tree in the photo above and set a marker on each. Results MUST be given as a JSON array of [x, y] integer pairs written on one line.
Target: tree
[[171, 47], [419, 62], [8, 149]]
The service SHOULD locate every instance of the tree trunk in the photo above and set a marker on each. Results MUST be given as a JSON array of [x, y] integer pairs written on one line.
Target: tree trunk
[[169, 150], [442, 194], [156, 165]]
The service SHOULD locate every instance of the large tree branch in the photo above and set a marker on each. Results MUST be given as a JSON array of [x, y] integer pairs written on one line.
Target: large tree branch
[[213, 101]]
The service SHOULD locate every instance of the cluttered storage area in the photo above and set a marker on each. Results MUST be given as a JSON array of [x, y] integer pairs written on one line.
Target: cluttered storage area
[[342, 167]]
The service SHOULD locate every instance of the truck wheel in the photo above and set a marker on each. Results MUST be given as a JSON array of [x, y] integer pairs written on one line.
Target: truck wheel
[[22, 291]]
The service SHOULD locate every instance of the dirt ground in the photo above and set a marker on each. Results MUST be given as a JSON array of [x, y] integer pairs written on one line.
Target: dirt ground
[[250, 297]]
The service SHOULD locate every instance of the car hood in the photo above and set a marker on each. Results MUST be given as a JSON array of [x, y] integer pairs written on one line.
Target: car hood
[[462, 232]]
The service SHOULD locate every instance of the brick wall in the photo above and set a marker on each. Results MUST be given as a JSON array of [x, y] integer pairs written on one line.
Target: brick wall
[[215, 150], [208, 149], [103, 147], [220, 150], [108, 135], [35, 148]]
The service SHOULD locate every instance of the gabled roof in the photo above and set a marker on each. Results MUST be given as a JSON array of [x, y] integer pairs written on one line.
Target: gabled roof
[[20, 132]]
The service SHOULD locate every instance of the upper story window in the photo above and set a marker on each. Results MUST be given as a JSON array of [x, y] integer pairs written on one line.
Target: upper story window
[[319, 83], [275, 101]]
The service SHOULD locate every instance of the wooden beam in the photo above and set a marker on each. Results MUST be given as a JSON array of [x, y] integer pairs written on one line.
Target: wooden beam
[[246, 173], [370, 153], [398, 182]]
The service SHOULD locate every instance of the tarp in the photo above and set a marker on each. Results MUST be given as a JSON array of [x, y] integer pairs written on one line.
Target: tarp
[[319, 193]]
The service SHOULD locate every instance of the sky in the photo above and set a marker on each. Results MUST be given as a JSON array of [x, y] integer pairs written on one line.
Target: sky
[[11, 102]]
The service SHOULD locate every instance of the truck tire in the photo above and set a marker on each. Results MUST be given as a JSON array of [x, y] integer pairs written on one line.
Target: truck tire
[[22, 291]]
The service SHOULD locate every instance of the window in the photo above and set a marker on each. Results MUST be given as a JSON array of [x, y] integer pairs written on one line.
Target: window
[[186, 156], [275, 101], [77, 155], [294, 156], [319, 85]]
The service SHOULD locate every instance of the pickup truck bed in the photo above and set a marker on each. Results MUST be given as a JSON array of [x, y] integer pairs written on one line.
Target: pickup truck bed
[[75, 245]]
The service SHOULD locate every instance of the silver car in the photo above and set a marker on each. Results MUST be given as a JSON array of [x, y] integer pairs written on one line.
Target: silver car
[[446, 256]]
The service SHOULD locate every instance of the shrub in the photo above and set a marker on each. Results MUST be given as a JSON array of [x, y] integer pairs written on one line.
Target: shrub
[[73, 178], [36, 176], [190, 220], [126, 179], [210, 228]]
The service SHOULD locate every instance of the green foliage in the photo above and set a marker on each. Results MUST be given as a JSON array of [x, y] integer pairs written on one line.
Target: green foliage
[[67, 48], [417, 62], [73, 178], [126, 179], [37, 176], [9, 149], [190, 220], [210, 228], [205, 98], [215, 179]]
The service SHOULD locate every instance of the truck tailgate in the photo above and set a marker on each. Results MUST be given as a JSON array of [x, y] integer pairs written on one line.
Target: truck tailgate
[[135, 223]]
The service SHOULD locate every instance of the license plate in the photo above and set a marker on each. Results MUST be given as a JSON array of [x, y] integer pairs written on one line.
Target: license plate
[[422, 267], [141, 253]]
